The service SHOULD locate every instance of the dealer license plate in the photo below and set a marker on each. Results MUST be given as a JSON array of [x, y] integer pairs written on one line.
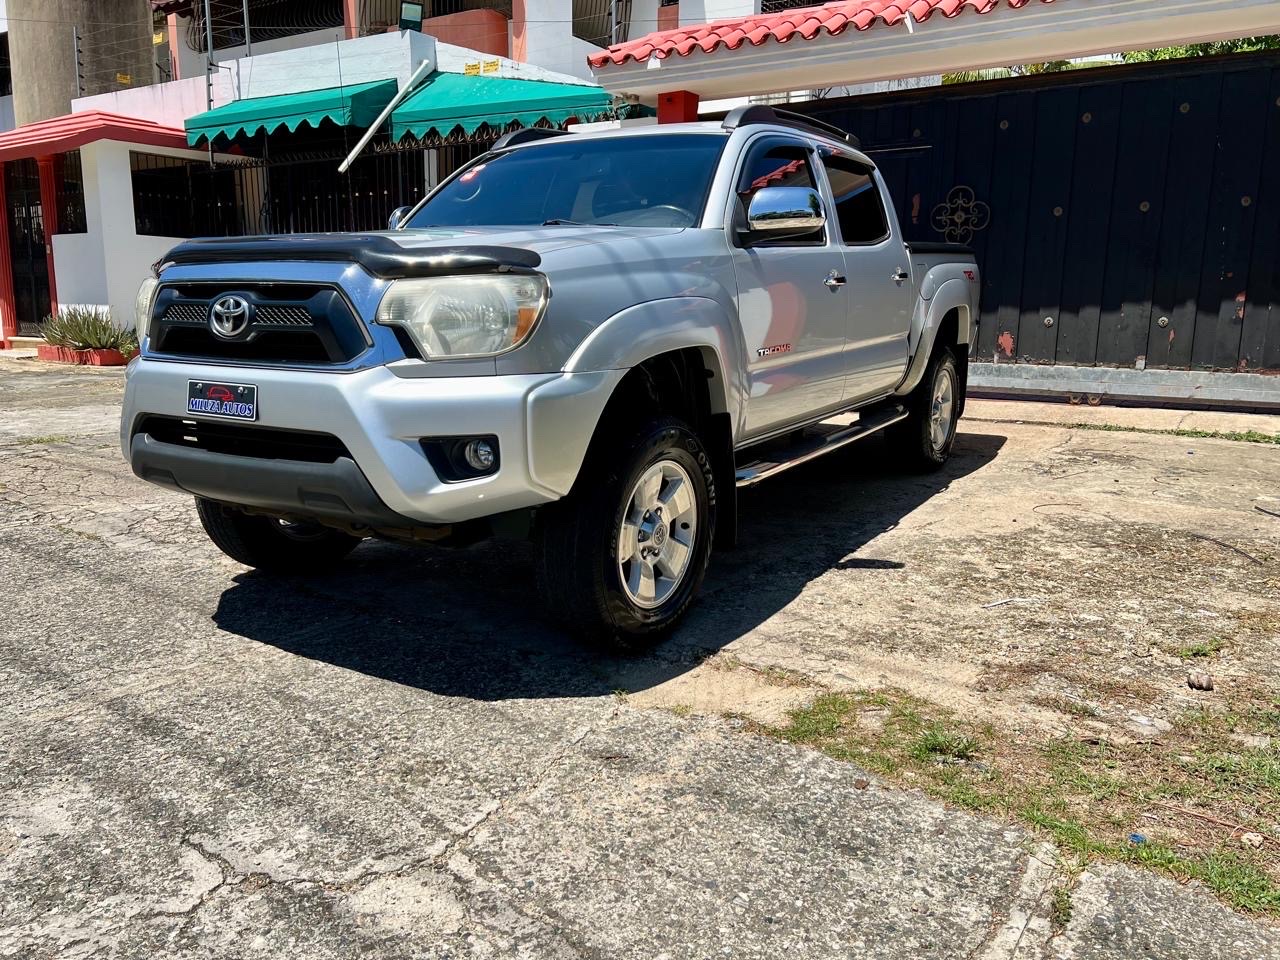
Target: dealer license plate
[[230, 401]]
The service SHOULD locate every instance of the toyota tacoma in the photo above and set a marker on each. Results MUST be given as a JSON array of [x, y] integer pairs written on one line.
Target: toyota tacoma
[[593, 340]]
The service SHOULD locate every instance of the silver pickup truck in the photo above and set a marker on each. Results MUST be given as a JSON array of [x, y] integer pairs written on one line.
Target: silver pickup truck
[[590, 339]]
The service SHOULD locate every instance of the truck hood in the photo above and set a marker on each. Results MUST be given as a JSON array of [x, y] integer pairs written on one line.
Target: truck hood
[[413, 253], [541, 240]]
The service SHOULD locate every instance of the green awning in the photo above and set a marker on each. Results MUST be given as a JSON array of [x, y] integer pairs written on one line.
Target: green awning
[[447, 101], [357, 105]]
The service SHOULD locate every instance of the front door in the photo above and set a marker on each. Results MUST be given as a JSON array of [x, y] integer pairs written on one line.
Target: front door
[[794, 324], [31, 299]]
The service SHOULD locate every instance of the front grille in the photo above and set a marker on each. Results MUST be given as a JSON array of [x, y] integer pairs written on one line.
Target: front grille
[[288, 323], [271, 316], [267, 315], [262, 443], [186, 313]]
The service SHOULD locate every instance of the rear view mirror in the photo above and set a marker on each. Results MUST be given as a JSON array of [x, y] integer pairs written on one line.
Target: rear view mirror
[[397, 215], [777, 212]]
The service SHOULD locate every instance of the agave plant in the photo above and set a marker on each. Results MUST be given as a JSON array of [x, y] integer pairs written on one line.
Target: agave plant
[[87, 328]]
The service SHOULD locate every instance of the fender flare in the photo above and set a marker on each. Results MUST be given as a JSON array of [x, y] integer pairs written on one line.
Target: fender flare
[[656, 327], [646, 330], [953, 294]]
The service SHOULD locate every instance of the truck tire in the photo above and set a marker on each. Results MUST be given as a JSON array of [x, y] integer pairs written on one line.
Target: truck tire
[[270, 544], [923, 441], [620, 559]]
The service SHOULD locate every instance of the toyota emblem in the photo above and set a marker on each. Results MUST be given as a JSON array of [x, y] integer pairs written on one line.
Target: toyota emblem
[[229, 317]]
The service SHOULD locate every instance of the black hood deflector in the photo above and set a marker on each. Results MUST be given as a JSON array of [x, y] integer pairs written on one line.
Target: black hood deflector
[[380, 255]]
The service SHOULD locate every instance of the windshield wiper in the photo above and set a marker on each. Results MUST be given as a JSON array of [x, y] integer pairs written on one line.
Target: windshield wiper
[[574, 223]]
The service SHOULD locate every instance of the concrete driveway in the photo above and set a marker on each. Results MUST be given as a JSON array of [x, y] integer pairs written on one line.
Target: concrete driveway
[[402, 760]]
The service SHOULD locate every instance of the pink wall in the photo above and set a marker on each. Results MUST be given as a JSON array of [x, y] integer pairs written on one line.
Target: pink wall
[[519, 32], [484, 31]]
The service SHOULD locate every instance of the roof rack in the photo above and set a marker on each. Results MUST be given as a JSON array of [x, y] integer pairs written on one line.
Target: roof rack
[[526, 135], [760, 113]]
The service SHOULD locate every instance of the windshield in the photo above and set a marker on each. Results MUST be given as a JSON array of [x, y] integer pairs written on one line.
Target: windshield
[[638, 181]]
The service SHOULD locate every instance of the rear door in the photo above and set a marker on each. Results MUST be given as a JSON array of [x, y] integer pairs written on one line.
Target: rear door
[[881, 294], [793, 322]]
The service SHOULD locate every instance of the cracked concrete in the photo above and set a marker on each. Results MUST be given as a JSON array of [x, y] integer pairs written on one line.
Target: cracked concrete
[[397, 760]]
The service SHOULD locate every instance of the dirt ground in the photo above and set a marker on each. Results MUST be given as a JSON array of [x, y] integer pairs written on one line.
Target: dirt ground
[[1013, 637]]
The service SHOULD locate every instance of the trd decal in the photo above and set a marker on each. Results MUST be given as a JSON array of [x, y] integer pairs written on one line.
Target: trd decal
[[775, 349]]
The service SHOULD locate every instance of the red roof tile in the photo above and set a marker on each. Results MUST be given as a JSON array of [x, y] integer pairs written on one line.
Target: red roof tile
[[74, 130], [805, 23]]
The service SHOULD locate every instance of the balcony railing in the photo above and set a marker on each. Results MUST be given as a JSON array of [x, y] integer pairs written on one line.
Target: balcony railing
[[378, 16], [268, 20], [601, 22]]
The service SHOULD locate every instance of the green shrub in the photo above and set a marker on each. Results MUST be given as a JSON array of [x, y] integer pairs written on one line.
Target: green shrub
[[88, 328]]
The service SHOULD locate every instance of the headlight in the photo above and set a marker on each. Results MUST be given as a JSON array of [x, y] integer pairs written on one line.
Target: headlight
[[476, 316], [142, 308]]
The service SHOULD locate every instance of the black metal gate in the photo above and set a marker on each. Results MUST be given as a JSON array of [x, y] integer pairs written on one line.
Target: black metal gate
[[298, 193], [1122, 216], [31, 299]]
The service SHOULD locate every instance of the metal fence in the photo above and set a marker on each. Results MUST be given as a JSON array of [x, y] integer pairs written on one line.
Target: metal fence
[[1123, 216], [294, 194]]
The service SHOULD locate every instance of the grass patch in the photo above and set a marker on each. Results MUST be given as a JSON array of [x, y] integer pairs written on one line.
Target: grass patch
[[1060, 908], [1195, 651], [1240, 436], [939, 744], [1189, 795], [36, 441]]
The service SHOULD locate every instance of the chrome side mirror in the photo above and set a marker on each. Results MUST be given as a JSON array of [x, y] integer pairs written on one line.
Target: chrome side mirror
[[776, 212], [398, 214]]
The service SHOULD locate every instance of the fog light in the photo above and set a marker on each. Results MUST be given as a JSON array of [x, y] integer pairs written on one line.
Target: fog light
[[479, 454], [455, 459]]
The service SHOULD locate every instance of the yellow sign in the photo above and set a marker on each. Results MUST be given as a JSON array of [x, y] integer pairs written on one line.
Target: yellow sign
[[490, 66], [124, 78], [471, 69]]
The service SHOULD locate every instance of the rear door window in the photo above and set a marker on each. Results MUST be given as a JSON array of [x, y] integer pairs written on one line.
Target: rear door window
[[859, 208]]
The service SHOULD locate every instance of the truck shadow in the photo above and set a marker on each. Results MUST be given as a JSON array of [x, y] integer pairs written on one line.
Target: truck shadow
[[467, 623]]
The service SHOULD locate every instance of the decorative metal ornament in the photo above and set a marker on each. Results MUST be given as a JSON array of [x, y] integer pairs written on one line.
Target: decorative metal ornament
[[961, 215]]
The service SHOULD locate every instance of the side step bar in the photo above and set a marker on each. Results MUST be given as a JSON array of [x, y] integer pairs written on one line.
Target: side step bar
[[817, 440]]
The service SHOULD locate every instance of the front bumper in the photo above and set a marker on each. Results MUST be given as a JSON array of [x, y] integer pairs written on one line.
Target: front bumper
[[543, 423]]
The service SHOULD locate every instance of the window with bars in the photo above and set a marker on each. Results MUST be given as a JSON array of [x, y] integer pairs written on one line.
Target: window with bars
[[70, 193], [173, 197], [777, 6], [6, 75]]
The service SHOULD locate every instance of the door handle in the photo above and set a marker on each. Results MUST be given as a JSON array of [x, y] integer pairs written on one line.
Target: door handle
[[834, 280], [899, 275]]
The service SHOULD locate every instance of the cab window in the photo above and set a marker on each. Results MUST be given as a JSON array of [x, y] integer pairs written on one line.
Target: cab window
[[777, 163], [859, 209]]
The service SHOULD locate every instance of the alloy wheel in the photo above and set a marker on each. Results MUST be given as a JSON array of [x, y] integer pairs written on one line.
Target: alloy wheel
[[655, 542]]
